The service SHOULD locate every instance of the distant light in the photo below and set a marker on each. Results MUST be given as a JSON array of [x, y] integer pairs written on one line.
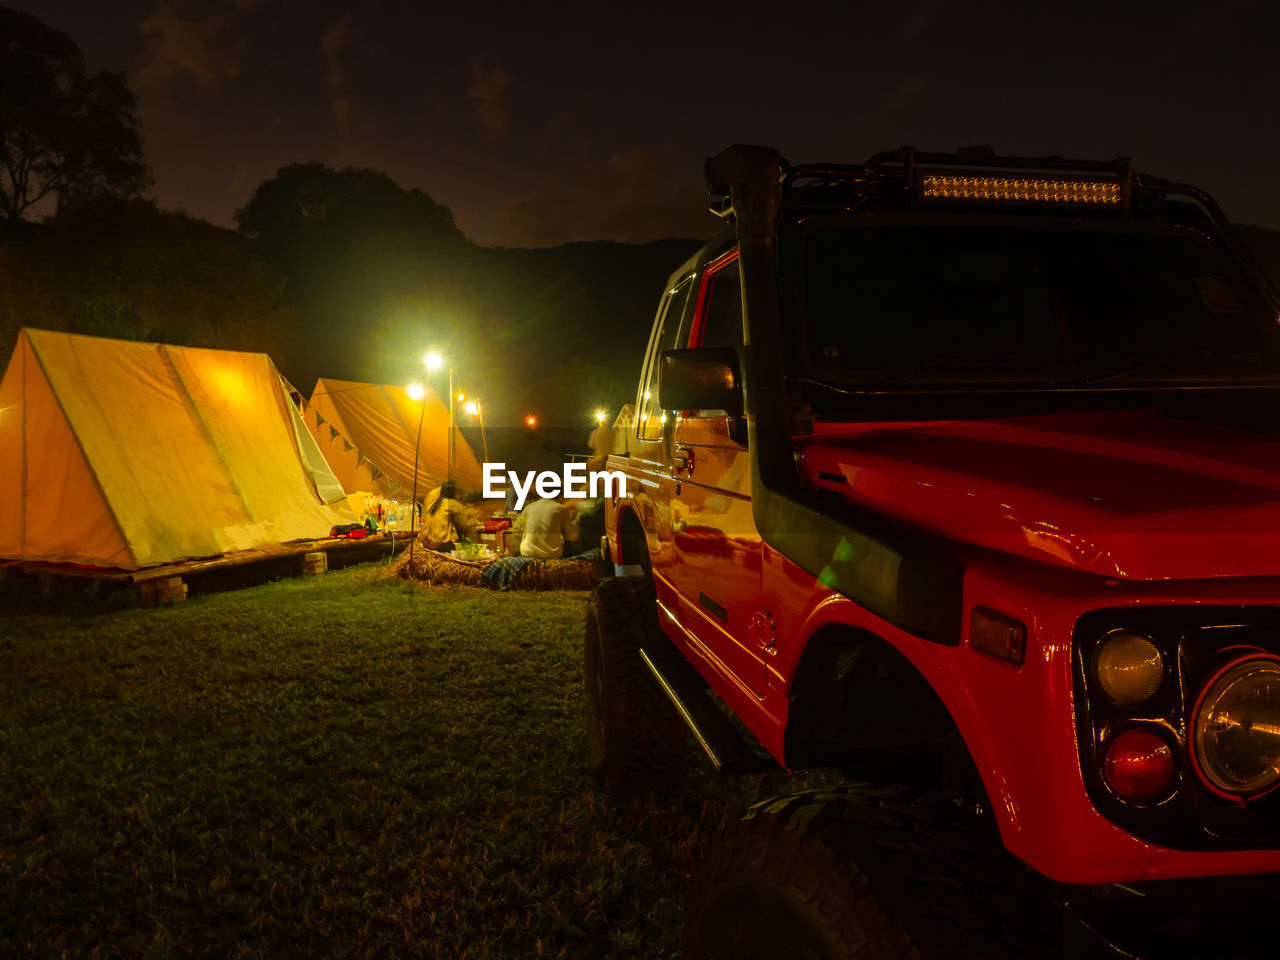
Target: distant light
[[601, 416], [531, 421], [461, 396], [416, 392], [473, 408], [646, 394], [433, 361]]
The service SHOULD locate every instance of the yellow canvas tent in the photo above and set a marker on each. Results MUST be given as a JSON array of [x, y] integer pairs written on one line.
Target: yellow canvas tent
[[122, 454], [368, 432]]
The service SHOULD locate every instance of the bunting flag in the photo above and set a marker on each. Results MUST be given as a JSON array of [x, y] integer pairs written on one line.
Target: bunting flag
[[346, 446], [320, 421], [374, 472], [360, 459], [333, 432]]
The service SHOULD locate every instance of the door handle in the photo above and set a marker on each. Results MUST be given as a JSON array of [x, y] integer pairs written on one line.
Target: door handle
[[683, 459]]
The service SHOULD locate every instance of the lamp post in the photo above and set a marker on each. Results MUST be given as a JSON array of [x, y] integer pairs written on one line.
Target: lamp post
[[452, 428], [476, 410], [433, 362]]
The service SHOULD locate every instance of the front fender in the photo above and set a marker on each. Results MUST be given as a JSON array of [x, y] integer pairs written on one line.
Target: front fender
[[1018, 724]]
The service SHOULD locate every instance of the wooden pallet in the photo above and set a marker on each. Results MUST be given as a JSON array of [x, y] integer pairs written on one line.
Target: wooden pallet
[[315, 562], [164, 592], [167, 584]]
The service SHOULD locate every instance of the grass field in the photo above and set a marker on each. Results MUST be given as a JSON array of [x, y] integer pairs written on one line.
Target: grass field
[[343, 766]]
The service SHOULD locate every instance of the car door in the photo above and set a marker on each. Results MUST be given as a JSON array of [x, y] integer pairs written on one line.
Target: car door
[[717, 562], [651, 483]]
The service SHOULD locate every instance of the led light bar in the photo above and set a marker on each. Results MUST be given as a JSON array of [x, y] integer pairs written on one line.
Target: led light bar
[[946, 186]]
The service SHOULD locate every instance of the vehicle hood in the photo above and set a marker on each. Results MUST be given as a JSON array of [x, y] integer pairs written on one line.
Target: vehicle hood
[[1133, 495]]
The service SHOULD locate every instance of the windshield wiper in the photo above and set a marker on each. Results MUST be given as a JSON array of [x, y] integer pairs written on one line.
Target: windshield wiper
[[988, 370], [1186, 370], [971, 371], [933, 366]]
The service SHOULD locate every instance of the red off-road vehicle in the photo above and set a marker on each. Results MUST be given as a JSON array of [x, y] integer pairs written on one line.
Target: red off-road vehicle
[[959, 474]]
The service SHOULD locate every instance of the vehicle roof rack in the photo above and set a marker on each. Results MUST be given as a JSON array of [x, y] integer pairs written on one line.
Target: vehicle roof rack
[[973, 174], [980, 175]]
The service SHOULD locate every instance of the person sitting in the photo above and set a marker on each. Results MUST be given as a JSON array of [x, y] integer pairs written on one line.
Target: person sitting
[[589, 515], [445, 521], [601, 443], [544, 526]]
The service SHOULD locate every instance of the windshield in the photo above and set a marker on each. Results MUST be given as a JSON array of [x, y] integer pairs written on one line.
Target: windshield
[[912, 307]]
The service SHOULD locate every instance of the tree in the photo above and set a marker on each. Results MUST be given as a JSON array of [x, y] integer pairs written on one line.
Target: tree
[[122, 268], [63, 132], [367, 261], [309, 204]]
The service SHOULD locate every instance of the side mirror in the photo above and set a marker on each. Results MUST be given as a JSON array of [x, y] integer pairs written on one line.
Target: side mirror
[[700, 378]]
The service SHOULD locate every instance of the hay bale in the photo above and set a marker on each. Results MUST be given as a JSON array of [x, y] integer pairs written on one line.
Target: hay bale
[[429, 566], [438, 569], [570, 574]]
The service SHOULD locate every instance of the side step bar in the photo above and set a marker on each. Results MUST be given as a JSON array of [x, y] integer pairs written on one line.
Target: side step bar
[[728, 751]]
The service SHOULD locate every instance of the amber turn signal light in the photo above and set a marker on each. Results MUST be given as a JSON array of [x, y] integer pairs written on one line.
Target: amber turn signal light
[[1130, 668], [997, 635]]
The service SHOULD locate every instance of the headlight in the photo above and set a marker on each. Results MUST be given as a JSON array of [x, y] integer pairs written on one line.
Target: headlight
[[1237, 727], [1130, 668]]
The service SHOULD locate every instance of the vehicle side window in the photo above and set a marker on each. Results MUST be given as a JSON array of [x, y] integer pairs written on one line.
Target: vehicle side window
[[722, 315], [721, 324], [650, 418]]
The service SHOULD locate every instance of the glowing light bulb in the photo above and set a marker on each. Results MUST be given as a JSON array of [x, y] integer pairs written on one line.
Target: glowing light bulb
[[416, 392]]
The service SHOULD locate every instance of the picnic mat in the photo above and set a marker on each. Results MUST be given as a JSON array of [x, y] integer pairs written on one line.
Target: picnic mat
[[507, 573]]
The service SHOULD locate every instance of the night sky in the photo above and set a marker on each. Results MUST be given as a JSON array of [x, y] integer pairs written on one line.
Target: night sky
[[541, 123]]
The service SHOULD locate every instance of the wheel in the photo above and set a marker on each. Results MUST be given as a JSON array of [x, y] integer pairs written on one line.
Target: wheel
[[637, 738], [853, 872]]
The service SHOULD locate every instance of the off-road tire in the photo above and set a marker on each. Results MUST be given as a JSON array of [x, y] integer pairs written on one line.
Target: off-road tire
[[856, 872], [637, 738]]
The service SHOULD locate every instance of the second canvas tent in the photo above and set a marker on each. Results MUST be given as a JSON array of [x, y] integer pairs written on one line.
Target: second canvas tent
[[368, 433]]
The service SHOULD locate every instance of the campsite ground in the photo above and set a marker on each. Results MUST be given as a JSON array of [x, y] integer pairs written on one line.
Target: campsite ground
[[343, 765]]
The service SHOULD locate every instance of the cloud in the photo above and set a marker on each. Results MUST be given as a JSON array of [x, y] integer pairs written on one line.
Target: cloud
[[921, 19], [192, 41], [488, 94], [630, 195], [567, 134], [586, 189], [334, 43], [905, 95], [626, 194]]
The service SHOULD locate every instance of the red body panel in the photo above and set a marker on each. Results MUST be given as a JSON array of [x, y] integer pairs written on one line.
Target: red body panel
[[1018, 722], [1125, 494], [1047, 512]]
